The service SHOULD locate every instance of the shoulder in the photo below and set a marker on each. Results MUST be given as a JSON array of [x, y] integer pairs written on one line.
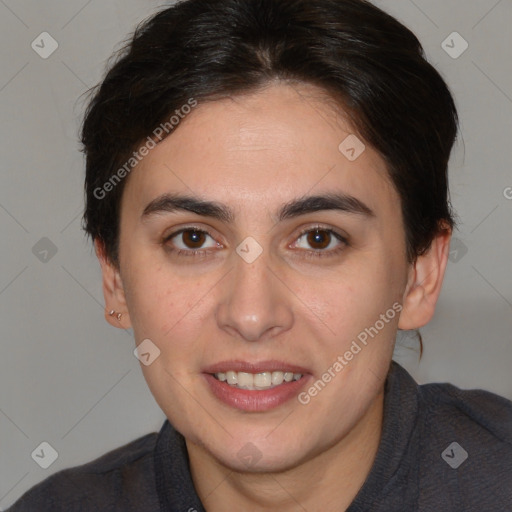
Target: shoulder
[[118, 480], [469, 410], [466, 445]]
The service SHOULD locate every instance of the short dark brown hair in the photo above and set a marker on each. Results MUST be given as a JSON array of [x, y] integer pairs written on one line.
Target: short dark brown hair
[[369, 63]]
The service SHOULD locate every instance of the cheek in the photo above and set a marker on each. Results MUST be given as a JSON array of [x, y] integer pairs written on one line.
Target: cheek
[[360, 311], [167, 308], [152, 298]]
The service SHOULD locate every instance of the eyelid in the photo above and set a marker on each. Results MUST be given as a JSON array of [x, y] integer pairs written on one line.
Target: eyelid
[[191, 227]]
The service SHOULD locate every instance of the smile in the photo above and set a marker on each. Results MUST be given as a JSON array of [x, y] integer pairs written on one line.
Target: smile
[[256, 381]]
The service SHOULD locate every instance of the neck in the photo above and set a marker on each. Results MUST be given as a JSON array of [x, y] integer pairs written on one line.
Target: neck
[[330, 480]]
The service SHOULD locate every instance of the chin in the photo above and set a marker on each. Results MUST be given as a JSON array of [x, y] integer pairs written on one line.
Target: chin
[[250, 459], [260, 454]]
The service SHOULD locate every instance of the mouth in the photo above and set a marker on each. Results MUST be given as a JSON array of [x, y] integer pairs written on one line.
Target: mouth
[[255, 387]]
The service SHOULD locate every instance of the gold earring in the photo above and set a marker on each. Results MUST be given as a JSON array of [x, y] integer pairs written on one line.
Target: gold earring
[[113, 312]]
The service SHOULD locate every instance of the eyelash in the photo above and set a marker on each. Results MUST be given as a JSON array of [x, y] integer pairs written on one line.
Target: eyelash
[[314, 253]]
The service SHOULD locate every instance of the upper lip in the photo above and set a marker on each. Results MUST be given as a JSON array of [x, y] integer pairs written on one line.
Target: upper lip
[[254, 367]]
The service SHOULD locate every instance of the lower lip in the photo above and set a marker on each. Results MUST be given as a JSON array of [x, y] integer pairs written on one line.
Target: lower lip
[[255, 400]]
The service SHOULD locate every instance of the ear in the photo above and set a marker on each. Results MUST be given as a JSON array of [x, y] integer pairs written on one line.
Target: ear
[[113, 290], [424, 283]]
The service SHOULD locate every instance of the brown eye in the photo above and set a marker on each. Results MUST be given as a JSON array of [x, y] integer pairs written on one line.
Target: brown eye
[[319, 239], [320, 242], [193, 239], [190, 240]]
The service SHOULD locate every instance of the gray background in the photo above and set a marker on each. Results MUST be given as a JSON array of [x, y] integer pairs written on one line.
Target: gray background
[[68, 378]]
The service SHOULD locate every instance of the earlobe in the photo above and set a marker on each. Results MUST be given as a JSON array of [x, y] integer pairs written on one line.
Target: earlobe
[[116, 311], [424, 283]]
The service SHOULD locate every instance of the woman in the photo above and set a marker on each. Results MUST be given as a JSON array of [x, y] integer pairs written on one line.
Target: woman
[[267, 193]]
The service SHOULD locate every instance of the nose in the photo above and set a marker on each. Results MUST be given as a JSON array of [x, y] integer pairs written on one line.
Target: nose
[[254, 304]]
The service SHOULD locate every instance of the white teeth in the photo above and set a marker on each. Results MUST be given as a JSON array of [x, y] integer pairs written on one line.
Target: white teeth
[[254, 381], [232, 378], [263, 380], [245, 380], [277, 378]]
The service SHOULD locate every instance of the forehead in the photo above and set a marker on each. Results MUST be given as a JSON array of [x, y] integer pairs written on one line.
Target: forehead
[[262, 149]]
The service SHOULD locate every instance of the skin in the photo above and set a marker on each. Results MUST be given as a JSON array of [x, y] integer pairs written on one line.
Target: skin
[[254, 153]]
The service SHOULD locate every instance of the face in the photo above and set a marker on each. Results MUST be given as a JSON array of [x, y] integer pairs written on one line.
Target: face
[[249, 284]]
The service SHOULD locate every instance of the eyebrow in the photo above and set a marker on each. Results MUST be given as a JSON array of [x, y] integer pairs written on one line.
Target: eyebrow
[[169, 203]]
